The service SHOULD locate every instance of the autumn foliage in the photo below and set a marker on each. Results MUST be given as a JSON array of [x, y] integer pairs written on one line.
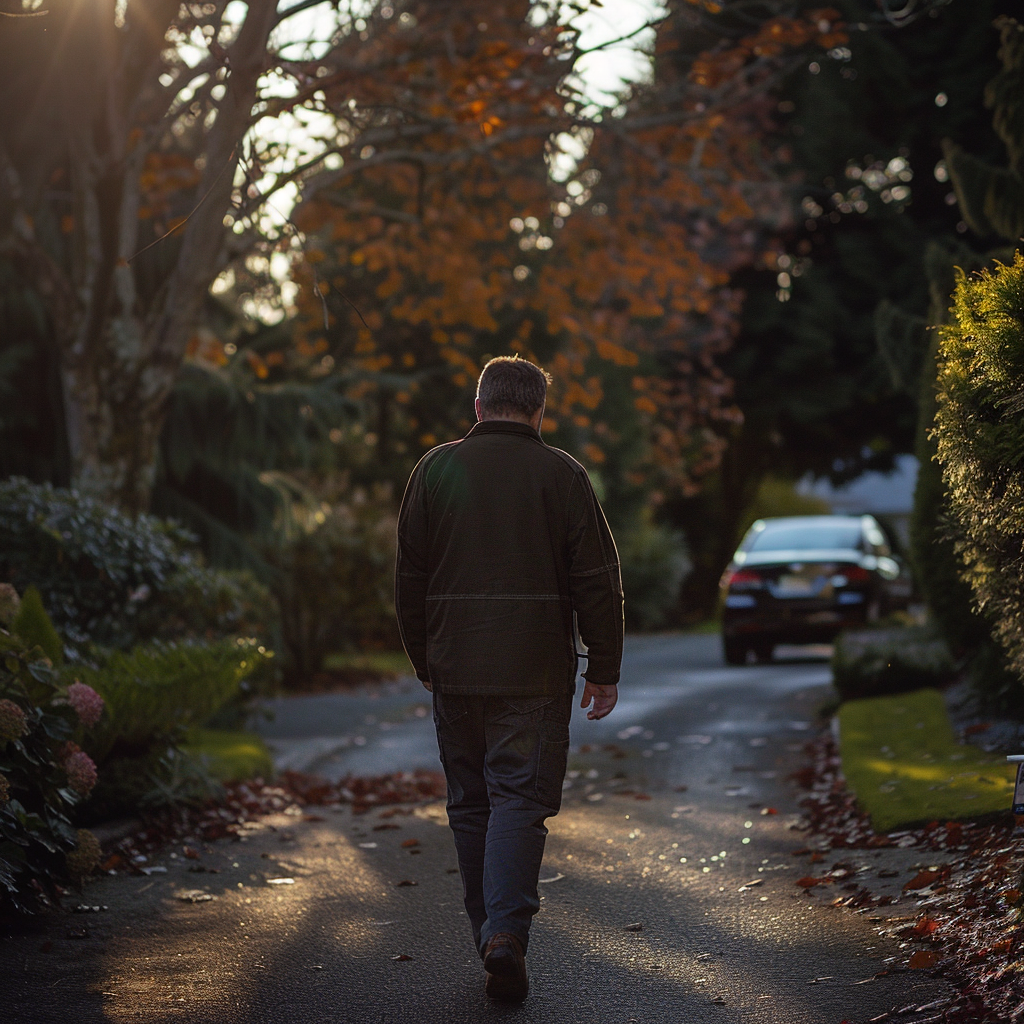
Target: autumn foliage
[[600, 247]]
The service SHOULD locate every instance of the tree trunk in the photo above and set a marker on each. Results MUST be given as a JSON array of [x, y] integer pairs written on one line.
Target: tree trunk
[[88, 110]]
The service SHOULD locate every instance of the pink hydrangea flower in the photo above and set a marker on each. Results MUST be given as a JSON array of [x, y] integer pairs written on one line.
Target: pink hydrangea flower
[[12, 721], [86, 702], [81, 772]]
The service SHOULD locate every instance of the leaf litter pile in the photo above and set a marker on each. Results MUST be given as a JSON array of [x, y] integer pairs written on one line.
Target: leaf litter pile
[[965, 927], [291, 794]]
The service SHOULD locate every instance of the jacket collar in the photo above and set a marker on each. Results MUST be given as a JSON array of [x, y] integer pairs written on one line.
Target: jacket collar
[[504, 427]]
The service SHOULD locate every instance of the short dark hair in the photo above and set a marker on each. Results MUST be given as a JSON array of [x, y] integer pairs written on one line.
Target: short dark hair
[[510, 386]]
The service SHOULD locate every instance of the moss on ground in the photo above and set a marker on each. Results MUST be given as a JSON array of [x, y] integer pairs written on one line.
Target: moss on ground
[[231, 756], [900, 757]]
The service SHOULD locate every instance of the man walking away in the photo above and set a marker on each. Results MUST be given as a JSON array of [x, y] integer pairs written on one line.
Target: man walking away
[[501, 544]]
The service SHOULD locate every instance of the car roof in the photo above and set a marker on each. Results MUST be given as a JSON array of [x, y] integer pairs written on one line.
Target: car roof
[[819, 520]]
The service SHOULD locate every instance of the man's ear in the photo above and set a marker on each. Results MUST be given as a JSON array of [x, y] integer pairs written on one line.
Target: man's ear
[[476, 405]]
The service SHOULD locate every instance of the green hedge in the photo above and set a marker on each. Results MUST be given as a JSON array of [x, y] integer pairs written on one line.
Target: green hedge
[[980, 435]]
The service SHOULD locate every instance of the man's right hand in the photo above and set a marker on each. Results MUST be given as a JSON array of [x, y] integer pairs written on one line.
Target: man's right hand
[[604, 698]]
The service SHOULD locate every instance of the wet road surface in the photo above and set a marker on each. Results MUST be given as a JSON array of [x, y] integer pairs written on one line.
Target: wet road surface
[[667, 895]]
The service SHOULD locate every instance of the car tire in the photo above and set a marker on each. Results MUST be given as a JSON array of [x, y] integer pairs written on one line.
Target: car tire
[[763, 652], [734, 651]]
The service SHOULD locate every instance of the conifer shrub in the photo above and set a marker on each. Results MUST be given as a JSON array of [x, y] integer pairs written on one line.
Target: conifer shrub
[[980, 437], [112, 580]]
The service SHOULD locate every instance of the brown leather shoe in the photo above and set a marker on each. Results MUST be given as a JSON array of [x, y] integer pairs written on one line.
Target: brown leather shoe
[[505, 964]]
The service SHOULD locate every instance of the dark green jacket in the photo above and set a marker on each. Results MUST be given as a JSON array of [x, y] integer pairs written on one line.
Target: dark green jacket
[[500, 540]]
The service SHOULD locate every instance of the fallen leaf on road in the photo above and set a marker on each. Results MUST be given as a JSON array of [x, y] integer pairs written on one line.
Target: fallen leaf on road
[[768, 810], [923, 959], [750, 885], [407, 844], [385, 827], [190, 853], [809, 881], [719, 1001], [401, 956], [637, 926], [280, 881], [818, 981], [405, 882], [195, 896], [368, 846], [553, 878], [923, 879], [925, 926]]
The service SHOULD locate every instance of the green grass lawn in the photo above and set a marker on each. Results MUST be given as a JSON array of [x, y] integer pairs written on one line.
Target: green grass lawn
[[230, 756], [386, 663], [900, 757]]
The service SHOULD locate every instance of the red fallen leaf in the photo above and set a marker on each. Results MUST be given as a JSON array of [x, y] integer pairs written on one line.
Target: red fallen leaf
[[925, 926], [681, 789], [1011, 895], [410, 842], [115, 860], [190, 853], [816, 857], [1001, 947], [401, 956], [973, 730], [641, 796], [802, 852], [922, 880], [385, 827], [313, 817], [404, 882], [809, 881], [768, 810], [923, 959]]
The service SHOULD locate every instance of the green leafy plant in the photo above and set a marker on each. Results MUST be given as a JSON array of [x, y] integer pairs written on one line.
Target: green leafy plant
[[980, 436], [155, 693], [112, 580], [654, 561], [872, 663], [334, 574], [44, 774]]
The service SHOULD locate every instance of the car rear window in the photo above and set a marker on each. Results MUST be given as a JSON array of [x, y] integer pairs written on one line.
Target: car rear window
[[807, 537]]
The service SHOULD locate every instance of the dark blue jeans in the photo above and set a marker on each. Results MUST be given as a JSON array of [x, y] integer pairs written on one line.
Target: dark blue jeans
[[504, 759]]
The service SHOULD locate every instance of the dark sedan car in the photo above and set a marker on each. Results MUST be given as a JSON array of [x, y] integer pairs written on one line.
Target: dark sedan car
[[802, 579]]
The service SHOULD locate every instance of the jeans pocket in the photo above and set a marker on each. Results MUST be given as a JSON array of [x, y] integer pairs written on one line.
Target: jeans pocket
[[527, 705], [450, 707]]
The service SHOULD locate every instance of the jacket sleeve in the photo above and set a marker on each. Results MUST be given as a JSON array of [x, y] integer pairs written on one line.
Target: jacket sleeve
[[411, 574], [595, 583]]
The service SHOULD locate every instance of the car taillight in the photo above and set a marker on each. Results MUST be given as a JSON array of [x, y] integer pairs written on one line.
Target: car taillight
[[855, 573], [744, 578]]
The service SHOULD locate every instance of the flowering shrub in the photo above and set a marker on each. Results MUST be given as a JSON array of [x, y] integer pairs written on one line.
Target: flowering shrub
[[43, 775]]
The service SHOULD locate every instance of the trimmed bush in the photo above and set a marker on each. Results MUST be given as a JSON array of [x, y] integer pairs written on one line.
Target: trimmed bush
[[878, 662], [109, 579], [980, 434]]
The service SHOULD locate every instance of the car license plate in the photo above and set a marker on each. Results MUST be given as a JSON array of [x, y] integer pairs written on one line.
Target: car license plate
[[795, 586]]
